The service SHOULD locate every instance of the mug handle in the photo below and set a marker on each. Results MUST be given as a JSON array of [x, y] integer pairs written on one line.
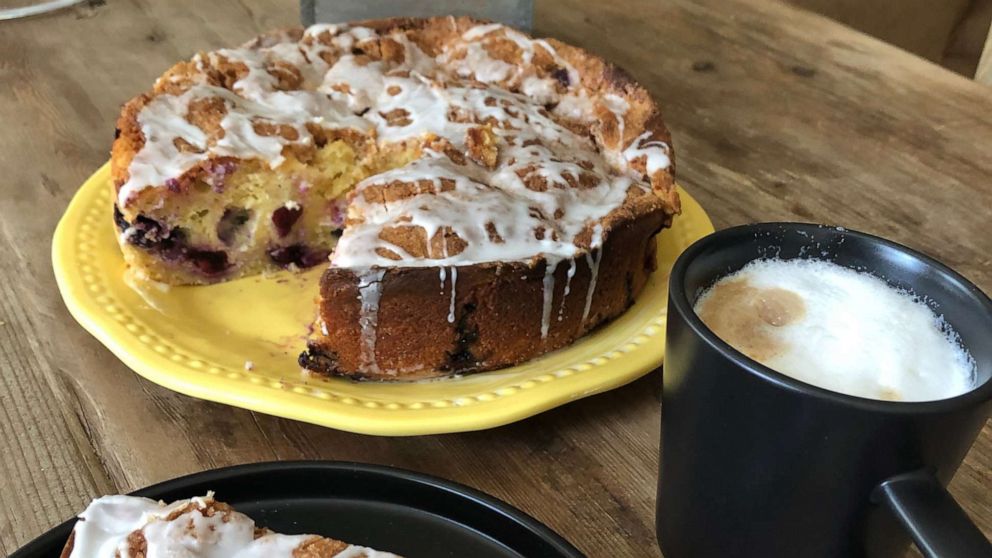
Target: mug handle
[[937, 524]]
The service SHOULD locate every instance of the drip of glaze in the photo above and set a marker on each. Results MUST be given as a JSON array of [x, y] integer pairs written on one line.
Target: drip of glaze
[[655, 153], [442, 275], [568, 287], [451, 305], [593, 262], [369, 292], [549, 295]]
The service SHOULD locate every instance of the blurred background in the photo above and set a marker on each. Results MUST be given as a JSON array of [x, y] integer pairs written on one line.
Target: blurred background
[[952, 33]]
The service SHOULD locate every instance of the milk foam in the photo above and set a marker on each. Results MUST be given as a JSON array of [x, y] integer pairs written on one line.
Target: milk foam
[[851, 332]]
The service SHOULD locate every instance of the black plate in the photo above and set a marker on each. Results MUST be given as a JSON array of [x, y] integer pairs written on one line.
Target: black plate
[[413, 515]]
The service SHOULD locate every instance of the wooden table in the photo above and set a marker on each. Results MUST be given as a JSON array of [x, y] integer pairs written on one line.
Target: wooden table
[[777, 114]]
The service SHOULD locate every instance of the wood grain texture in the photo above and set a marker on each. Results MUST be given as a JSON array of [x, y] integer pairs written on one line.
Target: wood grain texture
[[777, 114], [919, 26], [950, 32]]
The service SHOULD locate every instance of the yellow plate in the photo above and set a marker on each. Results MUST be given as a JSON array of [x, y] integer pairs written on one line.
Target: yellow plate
[[197, 340]]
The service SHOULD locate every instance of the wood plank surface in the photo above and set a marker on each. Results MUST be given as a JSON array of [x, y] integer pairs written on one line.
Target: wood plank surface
[[777, 114]]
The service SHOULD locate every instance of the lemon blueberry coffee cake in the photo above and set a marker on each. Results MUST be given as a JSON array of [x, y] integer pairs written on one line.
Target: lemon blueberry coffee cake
[[132, 527], [483, 197]]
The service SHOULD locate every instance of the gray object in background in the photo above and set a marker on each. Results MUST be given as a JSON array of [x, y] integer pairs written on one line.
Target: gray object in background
[[517, 13]]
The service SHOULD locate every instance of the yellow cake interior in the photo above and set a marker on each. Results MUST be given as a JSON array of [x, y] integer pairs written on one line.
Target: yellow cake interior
[[260, 218]]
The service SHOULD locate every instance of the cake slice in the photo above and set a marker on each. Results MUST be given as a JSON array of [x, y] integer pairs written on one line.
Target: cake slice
[[132, 527]]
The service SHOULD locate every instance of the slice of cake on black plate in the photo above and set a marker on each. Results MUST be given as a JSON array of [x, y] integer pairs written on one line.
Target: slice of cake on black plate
[[132, 527]]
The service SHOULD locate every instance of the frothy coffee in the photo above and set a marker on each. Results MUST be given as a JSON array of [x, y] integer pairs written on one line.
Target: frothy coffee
[[839, 329]]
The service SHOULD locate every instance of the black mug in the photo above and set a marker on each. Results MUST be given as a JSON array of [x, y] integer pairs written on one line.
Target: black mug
[[755, 463]]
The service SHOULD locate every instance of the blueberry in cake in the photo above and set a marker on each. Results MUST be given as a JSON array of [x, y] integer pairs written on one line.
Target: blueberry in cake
[[483, 197], [132, 527]]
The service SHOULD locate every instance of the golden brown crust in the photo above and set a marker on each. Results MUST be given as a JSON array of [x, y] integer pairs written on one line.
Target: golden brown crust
[[497, 310], [319, 547], [128, 140], [67, 550]]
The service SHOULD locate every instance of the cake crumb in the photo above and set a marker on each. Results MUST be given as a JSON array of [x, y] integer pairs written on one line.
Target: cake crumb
[[249, 365]]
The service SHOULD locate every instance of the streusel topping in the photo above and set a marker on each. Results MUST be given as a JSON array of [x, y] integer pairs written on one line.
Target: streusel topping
[[518, 157]]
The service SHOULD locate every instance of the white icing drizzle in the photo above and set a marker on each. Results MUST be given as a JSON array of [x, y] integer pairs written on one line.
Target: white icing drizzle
[[104, 527], [481, 30], [549, 296], [499, 198], [451, 305], [475, 61], [655, 152], [575, 106], [360, 552], [568, 287], [593, 257], [369, 293]]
